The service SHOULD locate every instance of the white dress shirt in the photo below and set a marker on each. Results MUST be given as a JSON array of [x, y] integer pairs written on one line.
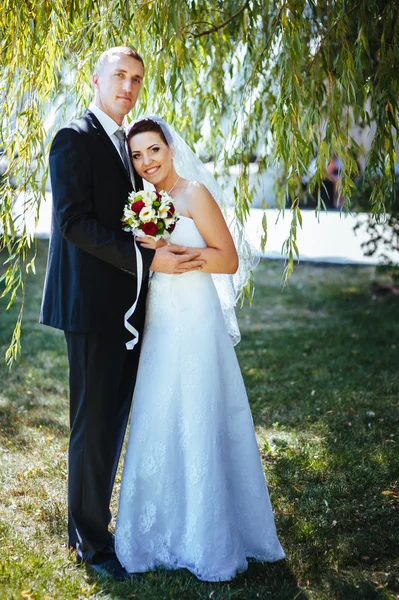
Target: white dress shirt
[[110, 126]]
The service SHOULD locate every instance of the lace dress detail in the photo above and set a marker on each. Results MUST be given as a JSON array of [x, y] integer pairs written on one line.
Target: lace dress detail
[[193, 492]]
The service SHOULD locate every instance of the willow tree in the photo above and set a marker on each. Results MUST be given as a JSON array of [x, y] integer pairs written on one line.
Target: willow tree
[[285, 80]]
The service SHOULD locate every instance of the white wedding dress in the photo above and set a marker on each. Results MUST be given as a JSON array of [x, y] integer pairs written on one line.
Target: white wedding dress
[[193, 493]]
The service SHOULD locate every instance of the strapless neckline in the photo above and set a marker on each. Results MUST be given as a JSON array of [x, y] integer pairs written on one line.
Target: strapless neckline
[[184, 217]]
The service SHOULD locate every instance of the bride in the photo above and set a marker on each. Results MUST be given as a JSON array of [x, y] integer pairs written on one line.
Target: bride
[[193, 493]]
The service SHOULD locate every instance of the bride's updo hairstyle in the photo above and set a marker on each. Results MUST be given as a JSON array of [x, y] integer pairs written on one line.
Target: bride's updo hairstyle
[[143, 126]]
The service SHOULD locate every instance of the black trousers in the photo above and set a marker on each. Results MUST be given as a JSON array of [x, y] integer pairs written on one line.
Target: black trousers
[[102, 378]]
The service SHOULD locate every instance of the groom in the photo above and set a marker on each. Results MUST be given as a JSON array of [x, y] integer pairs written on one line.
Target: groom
[[90, 284]]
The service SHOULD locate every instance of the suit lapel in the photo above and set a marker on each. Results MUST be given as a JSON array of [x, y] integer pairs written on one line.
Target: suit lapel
[[104, 137]]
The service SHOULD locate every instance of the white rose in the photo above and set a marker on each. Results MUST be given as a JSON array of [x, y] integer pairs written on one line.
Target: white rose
[[147, 214]]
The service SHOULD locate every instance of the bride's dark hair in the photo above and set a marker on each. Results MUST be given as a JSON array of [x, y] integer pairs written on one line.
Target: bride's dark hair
[[143, 126]]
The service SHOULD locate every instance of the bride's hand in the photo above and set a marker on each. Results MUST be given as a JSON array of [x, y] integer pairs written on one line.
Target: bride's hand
[[151, 242]]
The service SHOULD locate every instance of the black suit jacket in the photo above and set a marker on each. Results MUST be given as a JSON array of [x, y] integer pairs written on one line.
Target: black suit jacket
[[91, 271]]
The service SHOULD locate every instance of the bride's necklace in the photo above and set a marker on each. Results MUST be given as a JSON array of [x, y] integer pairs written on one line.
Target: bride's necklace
[[174, 185]]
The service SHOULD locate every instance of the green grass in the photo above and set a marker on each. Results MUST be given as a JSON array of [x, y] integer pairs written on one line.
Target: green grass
[[320, 361]]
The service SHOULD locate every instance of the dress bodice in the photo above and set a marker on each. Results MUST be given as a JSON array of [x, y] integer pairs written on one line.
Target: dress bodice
[[186, 234]]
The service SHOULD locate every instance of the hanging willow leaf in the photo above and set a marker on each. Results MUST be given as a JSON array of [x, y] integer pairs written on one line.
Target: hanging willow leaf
[[285, 80]]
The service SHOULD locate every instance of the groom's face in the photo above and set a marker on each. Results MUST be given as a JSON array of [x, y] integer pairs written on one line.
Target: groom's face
[[117, 85]]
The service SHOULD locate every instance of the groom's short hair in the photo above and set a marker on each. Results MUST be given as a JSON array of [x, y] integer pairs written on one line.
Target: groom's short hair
[[106, 55]]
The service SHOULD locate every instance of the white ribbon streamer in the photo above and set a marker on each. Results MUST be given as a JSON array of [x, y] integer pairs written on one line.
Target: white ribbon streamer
[[139, 261]]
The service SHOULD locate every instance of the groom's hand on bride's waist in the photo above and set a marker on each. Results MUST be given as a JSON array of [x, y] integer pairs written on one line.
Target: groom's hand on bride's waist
[[175, 259]]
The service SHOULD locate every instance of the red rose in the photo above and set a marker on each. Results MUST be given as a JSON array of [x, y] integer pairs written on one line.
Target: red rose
[[137, 206], [149, 228], [171, 210]]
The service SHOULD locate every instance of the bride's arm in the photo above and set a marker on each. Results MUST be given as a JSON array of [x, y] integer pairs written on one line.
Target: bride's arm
[[220, 256]]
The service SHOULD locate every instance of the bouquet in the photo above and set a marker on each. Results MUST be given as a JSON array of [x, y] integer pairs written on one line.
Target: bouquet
[[149, 213]]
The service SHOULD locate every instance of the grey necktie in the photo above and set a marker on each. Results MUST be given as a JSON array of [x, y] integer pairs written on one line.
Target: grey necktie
[[120, 134]]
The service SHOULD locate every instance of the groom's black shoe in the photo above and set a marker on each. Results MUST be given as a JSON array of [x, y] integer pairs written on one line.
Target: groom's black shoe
[[109, 568]]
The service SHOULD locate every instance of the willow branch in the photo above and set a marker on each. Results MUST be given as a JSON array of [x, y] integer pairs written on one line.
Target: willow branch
[[276, 20], [330, 30], [226, 22]]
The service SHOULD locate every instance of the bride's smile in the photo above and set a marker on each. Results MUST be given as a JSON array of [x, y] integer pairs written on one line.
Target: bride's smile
[[151, 170]]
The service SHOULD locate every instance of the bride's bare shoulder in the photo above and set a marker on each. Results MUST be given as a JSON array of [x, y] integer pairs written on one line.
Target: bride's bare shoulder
[[196, 191], [199, 200]]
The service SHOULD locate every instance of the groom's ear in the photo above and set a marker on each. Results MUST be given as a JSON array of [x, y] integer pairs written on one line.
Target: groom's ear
[[94, 79]]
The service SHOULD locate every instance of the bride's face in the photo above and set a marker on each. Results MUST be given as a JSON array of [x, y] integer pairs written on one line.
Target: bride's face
[[152, 158]]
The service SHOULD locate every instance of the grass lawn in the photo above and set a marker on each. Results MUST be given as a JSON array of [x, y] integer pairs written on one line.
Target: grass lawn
[[320, 361]]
